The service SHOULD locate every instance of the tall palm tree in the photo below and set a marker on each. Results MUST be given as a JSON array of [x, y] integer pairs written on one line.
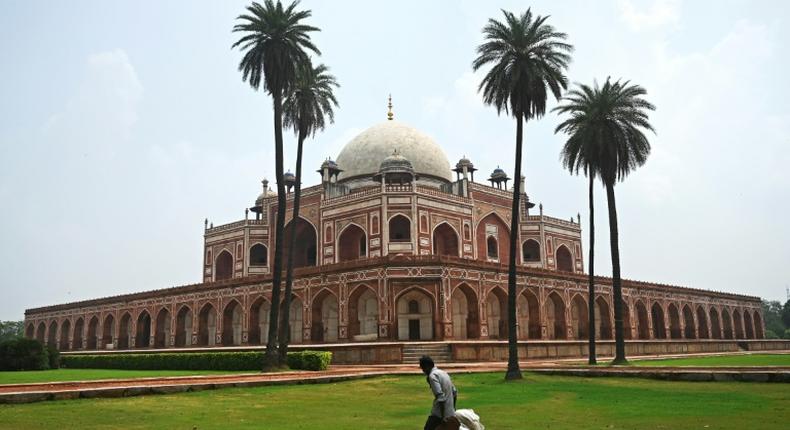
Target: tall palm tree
[[579, 154], [607, 139], [274, 43], [308, 105], [528, 58]]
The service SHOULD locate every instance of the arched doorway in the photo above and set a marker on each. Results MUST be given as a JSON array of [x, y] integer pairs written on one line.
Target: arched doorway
[[108, 332], [352, 244], [715, 325], [496, 314], [747, 321], [758, 325], [564, 259], [79, 327], [259, 255], [305, 243], [415, 316], [674, 322], [528, 311], [324, 318], [93, 327], [580, 318], [736, 316], [41, 332], [125, 331], [627, 324], [259, 321], [65, 333], [603, 320], [231, 323], [207, 325], [184, 326], [727, 323], [363, 314], [295, 320], [530, 251], [162, 335], [555, 317], [493, 237], [657, 316], [642, 324], [223, 266], [52, 334], [400, 229], [466, 321], [702, 323], [143, 338], [688, 320], [445, 240]]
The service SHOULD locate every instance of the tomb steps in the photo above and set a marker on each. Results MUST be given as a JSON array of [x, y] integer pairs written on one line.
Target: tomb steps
[[439, 352]]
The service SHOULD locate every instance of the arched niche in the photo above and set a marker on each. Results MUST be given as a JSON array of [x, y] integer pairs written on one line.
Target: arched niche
[[415, 315], [305, 244], [466, 319]]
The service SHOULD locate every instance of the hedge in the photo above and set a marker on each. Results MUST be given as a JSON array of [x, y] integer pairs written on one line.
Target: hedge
[[23, 354], [308, 360]]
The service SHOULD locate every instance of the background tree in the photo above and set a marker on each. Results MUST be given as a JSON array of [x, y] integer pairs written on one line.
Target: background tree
[[774, 319], [620, 114], [580, 153], [308, 105], [274, 43], [528, 58], [11, 330], [786, 314]]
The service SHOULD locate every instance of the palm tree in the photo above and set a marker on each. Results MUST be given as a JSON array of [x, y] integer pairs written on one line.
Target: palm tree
[[307, 106], [579, 154], [274, 43], [607, 139], [528, 58]]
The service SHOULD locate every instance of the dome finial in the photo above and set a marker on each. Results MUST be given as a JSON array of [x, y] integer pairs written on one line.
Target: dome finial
[[389, 106]]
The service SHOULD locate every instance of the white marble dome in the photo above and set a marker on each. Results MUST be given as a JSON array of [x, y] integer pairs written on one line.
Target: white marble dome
[[362, 156]]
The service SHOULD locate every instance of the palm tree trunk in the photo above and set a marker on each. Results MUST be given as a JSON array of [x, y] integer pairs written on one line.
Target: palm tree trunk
[[619, 357], [271, 356], [513, 371], [285, 323], [591, 298]]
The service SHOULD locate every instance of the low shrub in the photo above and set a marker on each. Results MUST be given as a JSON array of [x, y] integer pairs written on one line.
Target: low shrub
[[23, 354], [309, 360], [252, 360]]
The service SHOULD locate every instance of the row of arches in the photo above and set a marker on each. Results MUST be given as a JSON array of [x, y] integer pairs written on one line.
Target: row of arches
[[352, 242]]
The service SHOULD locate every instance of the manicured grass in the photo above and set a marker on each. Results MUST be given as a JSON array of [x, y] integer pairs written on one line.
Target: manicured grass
[[61, 375], [537, 402], [722, 361]]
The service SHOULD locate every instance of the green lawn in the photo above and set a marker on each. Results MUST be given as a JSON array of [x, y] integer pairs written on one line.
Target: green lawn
[[724, 360], [61, 375], [538, 402]]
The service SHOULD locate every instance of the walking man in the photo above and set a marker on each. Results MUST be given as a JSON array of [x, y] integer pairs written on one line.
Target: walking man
[[444, 393]]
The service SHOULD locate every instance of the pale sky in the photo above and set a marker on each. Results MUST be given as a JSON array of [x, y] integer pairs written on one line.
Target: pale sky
[[124, 124]]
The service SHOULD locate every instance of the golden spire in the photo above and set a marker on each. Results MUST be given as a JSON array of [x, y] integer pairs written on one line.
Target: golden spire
[[389, 105]]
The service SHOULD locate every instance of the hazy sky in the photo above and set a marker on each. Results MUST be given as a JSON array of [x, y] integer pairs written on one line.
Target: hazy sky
[[124, 124]]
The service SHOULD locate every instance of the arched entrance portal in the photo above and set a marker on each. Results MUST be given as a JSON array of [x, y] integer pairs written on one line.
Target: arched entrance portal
[[65, 333], [674, 322], [162, 335], [564, 259], [736, 316], [688, 320], [445, 240], [580, 318], [657, 315], [52, 334], [79, 327], [627, 322], [352, 244], [207, 325], [125, 331], [702, 324], [304, 246], [184, 326], [415, 316], [295, 320], [727, 323], [603, 320], [108, 332], [642, 324], [259, 321], [555, 317], [493, 239], [530, 251], [93, 328], [223, 267], [528, 311], [41, 332], [363, 314], [466, 321], [496, 314], [143, 337], [231, 324], [324, 318], [715, 325], [747, 321]]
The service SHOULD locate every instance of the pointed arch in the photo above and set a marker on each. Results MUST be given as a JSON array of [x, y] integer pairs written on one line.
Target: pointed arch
[[674, 322], [445, 240], [465, 314], [258, 328], [702, 323], [555, 317], [415, 311], [162, 328], [657, 316], [93, 328], [184, 326], [688, 321], [758, 326], [79, 327], [125, 331], [580, 317], [400, 228], [325, 317], [41, 331], [65, 333], [52, 334], [736, 316], [232, 321], [143, 336], [363, 313], [352, 243], [223, 265], [530, 251], [564, 259], [747, 322], [295, 320], [642, 323], [603, 320], [493, 237], [108, 332], [726, 319], [496, 314], [627, 322], [305, 243], [259, 255], [528, 314], [715, 324], [207, 325]]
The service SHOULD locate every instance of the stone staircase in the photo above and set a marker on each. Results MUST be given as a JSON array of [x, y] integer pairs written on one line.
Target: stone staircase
[[440, 352]]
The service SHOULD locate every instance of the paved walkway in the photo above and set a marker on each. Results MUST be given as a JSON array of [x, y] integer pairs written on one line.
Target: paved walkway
[[25, 393]]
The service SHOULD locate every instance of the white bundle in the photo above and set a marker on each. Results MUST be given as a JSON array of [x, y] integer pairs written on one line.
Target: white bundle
[[469, 420]]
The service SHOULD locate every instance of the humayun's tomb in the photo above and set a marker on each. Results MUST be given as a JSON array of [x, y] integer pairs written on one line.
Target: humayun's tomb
[[395, 246]]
